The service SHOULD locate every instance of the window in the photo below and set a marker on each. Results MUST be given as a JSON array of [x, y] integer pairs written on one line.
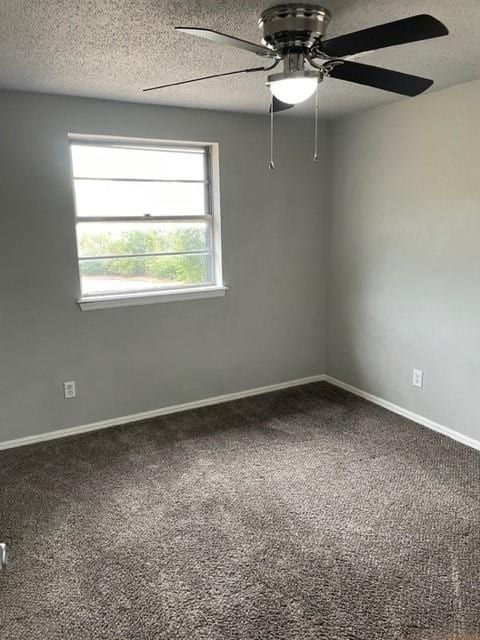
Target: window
[[147, 220]]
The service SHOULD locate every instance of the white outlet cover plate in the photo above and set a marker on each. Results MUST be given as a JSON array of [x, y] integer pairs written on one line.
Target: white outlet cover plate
[[417, 380], [69, 390]]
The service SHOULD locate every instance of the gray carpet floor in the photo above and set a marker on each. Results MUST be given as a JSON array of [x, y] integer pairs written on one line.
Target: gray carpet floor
[[302, 514]]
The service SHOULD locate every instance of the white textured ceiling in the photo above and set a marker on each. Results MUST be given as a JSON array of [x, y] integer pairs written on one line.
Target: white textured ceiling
[[114, 48]]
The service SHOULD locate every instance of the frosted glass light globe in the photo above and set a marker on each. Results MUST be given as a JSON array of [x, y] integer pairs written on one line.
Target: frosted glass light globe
[[293, 90]]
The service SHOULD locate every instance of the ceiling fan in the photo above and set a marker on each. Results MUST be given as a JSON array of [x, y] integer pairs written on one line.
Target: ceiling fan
[[294, 34]]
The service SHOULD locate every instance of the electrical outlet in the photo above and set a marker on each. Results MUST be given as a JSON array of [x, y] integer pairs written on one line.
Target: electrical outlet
[[69, 390], [417, 380]]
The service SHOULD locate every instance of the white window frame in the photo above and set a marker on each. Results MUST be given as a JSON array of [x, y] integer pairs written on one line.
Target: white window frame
[[212, 215]]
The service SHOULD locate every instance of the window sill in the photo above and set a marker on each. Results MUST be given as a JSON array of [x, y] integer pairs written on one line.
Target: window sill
[[133, 299]]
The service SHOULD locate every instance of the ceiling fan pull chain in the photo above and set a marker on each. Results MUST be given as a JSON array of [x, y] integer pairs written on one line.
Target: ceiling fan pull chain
[[271, 164], [315, 152]]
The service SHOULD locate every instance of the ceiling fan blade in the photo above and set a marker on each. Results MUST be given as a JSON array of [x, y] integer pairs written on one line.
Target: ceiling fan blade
[[384, 79], [277, 106], [231, 41], [420, 27], [215, 75]]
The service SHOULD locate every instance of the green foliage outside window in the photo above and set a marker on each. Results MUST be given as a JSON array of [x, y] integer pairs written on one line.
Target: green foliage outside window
[[180, 268]]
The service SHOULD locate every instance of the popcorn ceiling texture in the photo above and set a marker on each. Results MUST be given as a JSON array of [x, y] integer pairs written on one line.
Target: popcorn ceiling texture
[[114, 48], [306, 514]]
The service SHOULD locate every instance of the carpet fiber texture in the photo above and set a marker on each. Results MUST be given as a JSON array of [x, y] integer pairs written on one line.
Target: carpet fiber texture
[[301, 514]]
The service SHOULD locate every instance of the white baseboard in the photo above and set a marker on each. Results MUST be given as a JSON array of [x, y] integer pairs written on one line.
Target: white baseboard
[[144, 415], [426, 422]]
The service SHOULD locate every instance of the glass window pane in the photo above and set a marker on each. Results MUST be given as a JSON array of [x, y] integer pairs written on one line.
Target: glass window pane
[[143, 274], [91, 161], [114, 238], [110, 198]]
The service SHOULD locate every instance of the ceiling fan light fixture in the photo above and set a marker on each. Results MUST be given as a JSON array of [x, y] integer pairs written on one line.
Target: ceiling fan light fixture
[[293, 88]]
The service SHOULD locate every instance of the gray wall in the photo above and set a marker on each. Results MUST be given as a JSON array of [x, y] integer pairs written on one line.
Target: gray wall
[[269, 328], [404, 266]]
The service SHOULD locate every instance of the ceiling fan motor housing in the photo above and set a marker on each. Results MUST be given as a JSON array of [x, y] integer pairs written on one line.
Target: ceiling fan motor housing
[[293, 27]]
